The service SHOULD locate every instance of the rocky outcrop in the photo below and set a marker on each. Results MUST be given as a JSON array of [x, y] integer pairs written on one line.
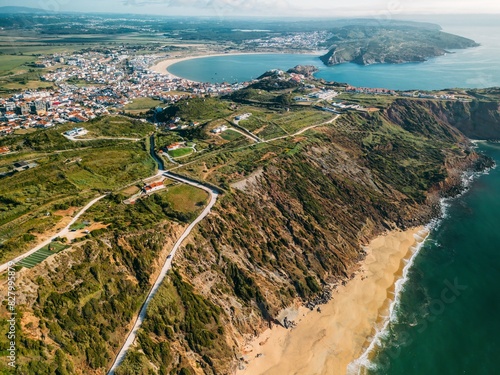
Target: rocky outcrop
[[477, 119], [306, 70]]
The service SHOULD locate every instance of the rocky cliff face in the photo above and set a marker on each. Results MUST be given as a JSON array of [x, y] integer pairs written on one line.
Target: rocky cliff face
[[476, 119], [300, 225], [296, 229]]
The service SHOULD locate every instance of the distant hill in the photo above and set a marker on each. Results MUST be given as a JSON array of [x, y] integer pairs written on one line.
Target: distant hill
[[398, 44], [20, 10]]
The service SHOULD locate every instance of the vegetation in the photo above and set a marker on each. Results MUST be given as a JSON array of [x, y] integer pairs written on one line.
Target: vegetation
[[142, 105], [85, 310], [42, 254], [198, 110], [184, 151], [186, 198], [316, 198], [111, 126], [390, 44], [180, 314], [9, 63], [66, 178], [230, 135]]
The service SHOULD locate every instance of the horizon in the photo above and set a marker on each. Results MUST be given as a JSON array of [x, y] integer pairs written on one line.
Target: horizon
[[292, 9]]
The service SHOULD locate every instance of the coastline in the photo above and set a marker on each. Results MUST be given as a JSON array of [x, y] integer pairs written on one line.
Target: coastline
[[162, 66], [327, 342]]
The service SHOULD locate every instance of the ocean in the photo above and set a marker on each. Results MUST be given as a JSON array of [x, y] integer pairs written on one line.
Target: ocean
[[445, 319], [470, 68]]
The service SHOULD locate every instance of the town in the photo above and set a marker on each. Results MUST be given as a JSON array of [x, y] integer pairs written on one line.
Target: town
[[98, 82], [95, 83]]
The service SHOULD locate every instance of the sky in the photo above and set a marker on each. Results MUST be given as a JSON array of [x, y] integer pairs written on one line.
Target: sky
[[276, 8]]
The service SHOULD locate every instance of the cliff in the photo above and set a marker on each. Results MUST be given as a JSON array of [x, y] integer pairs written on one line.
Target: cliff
[[386, 44], [294, 229], [308, 207], [479, 119]]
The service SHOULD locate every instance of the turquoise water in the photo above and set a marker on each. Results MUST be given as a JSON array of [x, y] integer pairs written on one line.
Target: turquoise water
[[470, 68], [237, 68], [447, 320]]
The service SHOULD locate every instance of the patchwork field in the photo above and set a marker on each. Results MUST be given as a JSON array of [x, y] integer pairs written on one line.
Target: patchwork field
[[42, 254]]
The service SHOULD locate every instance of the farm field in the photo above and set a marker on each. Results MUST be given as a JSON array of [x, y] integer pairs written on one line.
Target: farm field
[[42, 254]]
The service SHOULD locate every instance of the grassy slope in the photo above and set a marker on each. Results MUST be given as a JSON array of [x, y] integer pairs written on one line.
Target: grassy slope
[[69, 173], [320, 196], [318, 199], [142, 104]]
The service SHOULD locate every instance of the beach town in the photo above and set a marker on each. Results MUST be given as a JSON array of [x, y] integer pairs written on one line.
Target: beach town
[[92, 84], [97, 82]]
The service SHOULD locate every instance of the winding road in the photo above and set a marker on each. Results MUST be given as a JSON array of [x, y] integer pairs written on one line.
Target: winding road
[[62, 233], [166, 267]]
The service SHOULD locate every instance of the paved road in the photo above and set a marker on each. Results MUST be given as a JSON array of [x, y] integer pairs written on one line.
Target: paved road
[[166, 267], [249, 134], [63, 232]]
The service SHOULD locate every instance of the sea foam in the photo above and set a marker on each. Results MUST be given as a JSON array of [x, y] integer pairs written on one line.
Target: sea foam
[[362, 364]]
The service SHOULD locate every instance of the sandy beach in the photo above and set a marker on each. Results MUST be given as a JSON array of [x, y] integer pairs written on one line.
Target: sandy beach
[[326, 342]]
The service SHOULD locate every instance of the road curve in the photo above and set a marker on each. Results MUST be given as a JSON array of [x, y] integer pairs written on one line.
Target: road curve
[[63, 232], [166, 267]]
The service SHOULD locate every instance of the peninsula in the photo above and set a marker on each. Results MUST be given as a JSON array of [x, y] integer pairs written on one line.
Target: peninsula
[[367, 45]]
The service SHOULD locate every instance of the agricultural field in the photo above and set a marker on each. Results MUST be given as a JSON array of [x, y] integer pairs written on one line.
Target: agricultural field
[[42, 254], [115, 126], [180, 152], [16, 77], [14, 63], [142, 105], [377, 101], [294, 121], [230, 135], [272, 124], [63, 177], [185, 198]]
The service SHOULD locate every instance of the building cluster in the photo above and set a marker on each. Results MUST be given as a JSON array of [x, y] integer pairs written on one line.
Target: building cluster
[[317, 95], [370, 90], [176, 146], [93, 83], [44, 109], [75, 132], [153, 187], [304, 40], [409, 94]]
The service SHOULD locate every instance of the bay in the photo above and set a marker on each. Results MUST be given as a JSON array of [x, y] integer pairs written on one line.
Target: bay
[[477, 67]]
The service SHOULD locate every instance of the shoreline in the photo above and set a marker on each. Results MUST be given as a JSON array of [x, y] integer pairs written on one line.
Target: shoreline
[[327, 342], [162, 66]]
